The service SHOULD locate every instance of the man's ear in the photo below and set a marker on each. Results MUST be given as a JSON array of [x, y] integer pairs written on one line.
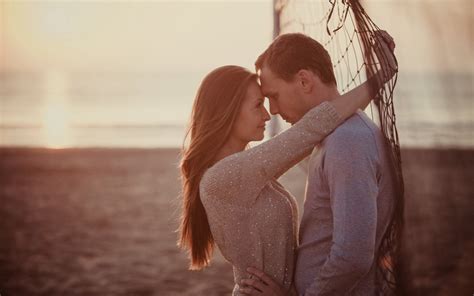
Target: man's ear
[[305, 80]]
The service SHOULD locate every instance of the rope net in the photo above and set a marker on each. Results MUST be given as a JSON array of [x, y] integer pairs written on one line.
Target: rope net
[[348, 34]]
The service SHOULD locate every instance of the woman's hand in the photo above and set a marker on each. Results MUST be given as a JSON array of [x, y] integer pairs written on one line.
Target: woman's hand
[[261, 285], [384, 47]]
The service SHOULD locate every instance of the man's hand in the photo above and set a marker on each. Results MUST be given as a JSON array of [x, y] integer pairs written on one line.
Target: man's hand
[[261, 285]]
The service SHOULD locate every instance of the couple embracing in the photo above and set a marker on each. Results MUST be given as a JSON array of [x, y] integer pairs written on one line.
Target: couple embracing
[[231, 195]]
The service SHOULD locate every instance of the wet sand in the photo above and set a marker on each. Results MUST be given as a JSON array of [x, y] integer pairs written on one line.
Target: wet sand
[[103, 221]]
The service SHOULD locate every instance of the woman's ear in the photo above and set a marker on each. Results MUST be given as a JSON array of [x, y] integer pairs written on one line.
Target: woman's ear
[[305, 80]]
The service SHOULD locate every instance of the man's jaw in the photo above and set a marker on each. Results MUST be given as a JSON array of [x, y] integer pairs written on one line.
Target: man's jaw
[[287, 120], [292, 120]]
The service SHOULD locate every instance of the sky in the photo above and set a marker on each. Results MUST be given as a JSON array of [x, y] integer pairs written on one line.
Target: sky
[[433, 35], [196, 35], [141, 36]]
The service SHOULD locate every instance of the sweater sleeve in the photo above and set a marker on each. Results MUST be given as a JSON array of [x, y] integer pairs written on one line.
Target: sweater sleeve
[[241, 176], [350, 166]]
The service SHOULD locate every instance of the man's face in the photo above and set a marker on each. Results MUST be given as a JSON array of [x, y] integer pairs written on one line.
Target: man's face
[[286, 98]]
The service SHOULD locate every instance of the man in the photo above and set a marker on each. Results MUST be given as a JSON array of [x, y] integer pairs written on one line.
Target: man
[[350, 190]]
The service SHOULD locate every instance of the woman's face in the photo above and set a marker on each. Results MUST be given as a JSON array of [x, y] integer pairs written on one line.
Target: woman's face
[[250, 123]]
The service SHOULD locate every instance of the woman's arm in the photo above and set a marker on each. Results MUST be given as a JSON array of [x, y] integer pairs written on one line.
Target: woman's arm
[[241, 176]]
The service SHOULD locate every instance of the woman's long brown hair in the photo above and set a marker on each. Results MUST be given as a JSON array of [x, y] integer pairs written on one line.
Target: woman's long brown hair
[[215, 110]]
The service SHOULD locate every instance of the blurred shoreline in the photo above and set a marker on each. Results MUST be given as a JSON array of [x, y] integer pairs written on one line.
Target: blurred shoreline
[[424, 135], [39, 149], [102, 221], [80, 108]]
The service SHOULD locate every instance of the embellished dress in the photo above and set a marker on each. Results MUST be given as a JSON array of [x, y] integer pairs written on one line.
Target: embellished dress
[[253, 219]]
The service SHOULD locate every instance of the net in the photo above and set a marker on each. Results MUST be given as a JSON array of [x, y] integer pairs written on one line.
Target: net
[[348, 34]]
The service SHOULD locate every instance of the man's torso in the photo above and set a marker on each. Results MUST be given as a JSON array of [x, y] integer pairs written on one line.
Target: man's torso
[[316, 229]]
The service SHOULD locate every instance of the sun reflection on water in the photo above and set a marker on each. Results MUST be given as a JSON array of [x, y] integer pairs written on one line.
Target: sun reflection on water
[[56, 131]]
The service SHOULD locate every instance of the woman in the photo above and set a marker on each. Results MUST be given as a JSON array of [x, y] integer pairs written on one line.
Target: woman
[[231, 196]]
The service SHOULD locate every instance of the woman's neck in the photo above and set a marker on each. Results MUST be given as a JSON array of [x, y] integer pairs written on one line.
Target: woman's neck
[[230, 147]]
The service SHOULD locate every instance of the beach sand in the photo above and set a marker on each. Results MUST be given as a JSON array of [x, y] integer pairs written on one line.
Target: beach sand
[[103, 221]]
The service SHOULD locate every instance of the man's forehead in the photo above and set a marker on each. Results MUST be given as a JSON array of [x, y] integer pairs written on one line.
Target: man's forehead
[[265, 81], [265, 89]]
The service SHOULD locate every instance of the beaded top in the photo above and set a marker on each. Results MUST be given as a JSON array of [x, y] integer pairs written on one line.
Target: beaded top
[[253, 219]]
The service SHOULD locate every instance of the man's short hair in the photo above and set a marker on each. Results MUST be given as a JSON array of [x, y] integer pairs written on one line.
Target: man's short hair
[[292, 52]]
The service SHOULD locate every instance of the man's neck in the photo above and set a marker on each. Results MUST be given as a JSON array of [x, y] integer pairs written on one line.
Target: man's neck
[[328, 94], [332, 94]]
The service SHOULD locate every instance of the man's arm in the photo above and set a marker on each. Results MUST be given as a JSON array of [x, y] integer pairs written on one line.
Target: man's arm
[[350, 166]]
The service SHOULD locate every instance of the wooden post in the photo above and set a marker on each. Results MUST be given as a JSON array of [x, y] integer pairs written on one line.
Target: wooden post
[[274, 125]]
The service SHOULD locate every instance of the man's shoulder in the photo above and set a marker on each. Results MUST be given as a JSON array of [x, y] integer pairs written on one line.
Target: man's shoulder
[[356, 129], [355, 142]]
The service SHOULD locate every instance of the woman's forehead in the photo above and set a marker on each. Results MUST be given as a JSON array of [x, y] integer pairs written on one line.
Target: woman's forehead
[[254, 91]]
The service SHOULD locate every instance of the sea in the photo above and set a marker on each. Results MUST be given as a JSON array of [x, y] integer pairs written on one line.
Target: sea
[[124, 109]]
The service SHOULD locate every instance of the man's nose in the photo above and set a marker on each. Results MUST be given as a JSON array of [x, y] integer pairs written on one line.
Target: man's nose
[[273, 108]]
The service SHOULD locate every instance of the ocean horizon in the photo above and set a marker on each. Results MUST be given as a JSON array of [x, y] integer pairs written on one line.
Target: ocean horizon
[[151, 110]]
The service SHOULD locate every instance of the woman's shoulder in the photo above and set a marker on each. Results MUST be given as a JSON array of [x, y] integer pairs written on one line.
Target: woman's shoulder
[[220, 176]]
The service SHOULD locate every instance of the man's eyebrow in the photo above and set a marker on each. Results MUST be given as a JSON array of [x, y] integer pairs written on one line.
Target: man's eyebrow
[[269, 94]]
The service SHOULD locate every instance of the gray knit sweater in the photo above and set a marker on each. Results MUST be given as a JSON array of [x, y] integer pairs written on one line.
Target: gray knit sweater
[[349, 198]]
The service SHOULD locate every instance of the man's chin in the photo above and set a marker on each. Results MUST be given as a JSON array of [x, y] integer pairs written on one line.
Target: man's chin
[[293, 120]]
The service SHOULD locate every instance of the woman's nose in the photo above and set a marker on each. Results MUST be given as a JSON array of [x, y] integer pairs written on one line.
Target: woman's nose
[[266, 115]]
